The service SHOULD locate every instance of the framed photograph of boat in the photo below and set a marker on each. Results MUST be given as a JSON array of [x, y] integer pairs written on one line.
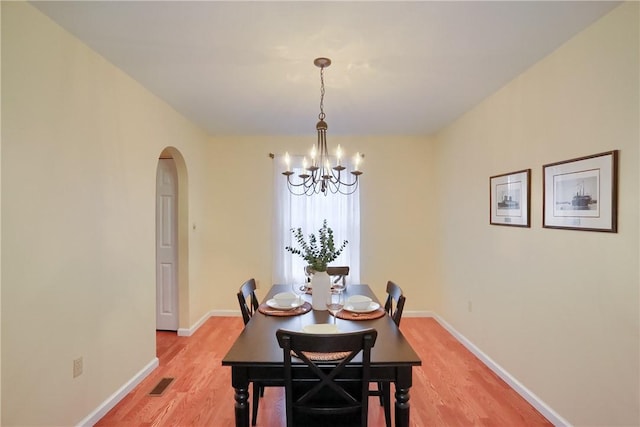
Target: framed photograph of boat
[[509, 199], [582, 193]]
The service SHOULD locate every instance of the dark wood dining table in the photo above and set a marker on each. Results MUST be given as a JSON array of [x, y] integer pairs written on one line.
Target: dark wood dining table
[[256, 355]]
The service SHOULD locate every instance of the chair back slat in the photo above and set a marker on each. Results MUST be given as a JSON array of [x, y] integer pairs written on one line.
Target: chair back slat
[[338, 274]]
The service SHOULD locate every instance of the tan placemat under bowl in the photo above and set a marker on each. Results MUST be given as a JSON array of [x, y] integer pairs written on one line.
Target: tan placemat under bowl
[[350, 315], [268, 311], [324, 357]]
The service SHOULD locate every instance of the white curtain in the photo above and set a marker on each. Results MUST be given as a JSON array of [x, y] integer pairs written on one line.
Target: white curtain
[[342, 213]]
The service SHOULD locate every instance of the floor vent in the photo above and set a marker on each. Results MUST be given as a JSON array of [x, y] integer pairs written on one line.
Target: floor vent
[[161, 387]]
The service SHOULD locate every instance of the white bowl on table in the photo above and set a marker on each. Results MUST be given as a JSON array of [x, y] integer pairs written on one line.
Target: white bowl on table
[[285, 299], [359, 302]]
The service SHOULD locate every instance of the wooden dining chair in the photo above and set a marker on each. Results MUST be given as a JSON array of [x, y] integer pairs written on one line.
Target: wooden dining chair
[[248, 306], [247, 299], [329, 393], [338, 274], [394, 305]]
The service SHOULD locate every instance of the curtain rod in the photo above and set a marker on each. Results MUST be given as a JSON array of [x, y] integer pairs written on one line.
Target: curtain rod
[[273, 156]]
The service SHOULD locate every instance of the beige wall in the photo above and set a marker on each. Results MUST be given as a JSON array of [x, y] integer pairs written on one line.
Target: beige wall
[[396, 218], [80, 143], [558, 309]]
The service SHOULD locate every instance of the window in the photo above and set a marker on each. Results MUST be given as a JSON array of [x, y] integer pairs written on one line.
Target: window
[[342, 213]]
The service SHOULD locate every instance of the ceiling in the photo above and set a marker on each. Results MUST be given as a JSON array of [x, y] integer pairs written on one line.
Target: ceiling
[[246, 68]]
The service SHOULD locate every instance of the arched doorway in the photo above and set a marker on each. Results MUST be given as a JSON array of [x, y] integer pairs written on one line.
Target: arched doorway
[[171, 242]]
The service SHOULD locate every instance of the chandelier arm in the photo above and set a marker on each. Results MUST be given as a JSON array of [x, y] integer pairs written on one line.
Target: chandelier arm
[[310, 186], [345, 183], [306, 187], [303, 183], [353, 190], [293, 189], [343, 188]]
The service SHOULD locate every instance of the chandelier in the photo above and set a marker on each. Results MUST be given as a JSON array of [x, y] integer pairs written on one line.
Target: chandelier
[[318, 176]]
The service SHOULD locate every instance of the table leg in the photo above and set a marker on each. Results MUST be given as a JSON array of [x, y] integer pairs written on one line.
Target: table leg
[[403, 384], [242, 407], [240, 382], [402, 407]]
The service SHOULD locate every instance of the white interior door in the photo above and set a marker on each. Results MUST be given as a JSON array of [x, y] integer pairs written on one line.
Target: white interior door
[[166, 246]]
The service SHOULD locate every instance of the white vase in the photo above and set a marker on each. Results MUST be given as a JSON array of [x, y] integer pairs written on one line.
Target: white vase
[[320, 290]]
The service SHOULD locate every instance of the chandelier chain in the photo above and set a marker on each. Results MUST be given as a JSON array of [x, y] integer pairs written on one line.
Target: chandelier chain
[[321, 116]]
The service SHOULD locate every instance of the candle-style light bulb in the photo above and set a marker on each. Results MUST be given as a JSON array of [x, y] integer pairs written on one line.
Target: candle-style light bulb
[[287, 160], [304, 163], [338, 154], [313, 153], [357, 161]]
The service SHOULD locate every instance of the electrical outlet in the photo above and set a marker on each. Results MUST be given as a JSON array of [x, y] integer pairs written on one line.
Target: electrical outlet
[[77, 367]]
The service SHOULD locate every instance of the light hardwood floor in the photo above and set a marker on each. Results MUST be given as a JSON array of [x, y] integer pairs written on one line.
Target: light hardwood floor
[[451, 388]]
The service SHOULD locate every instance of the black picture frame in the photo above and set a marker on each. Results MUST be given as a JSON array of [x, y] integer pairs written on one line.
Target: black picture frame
[[582, 193], [510, 199]]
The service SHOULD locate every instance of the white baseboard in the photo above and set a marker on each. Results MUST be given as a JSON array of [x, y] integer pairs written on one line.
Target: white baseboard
[[418, 313], [526, 394], [182, 332], [116, 397], [226, 313]]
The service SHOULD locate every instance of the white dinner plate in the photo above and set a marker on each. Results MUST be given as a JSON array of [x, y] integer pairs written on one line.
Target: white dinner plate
[[273, 304], [320, 328], [373, 306]]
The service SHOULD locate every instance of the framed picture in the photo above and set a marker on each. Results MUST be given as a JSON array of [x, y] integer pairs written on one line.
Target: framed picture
[[581, 194], [509, 197]]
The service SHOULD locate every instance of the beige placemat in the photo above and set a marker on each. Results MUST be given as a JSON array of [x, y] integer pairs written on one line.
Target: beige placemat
[[324, 356], [350, 315], [268, 311]]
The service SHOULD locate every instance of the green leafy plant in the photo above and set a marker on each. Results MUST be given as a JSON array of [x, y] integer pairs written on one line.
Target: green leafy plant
[[318, 251]]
